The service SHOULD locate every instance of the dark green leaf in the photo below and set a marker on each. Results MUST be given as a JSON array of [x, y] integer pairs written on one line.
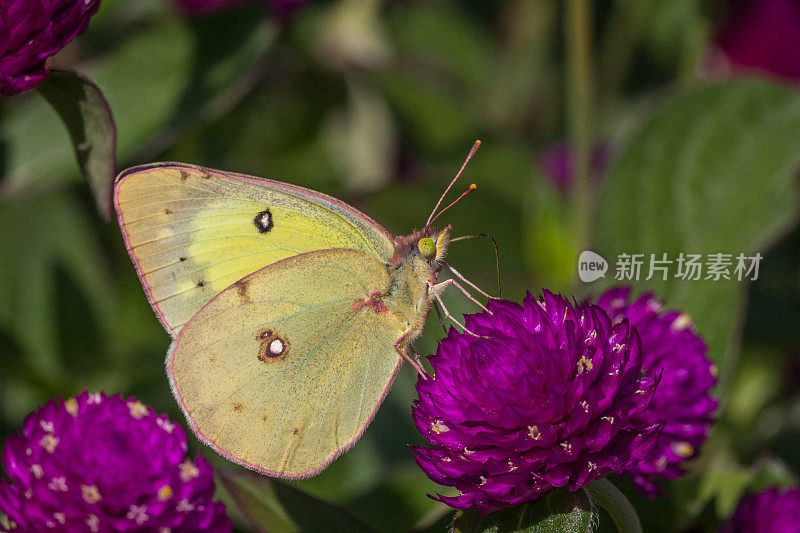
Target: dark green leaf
[[141, 78], [272, 506], [608, 496], [770, 472], [165, 78], [88, 118], [712, 172], [725, 481], [39, 234], [560, 511]]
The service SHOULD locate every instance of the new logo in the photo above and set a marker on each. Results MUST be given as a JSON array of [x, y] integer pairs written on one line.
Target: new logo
[[591, 266]]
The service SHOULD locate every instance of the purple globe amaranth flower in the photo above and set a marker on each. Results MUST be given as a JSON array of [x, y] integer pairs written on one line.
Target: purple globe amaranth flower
[[33, 30], [771, 511], [546, 397], [760, 35], [682, 402], [103, 463], [204, 7]]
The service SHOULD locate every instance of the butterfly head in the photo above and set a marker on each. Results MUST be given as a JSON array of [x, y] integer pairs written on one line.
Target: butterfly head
[[432, 244], [428, 245]]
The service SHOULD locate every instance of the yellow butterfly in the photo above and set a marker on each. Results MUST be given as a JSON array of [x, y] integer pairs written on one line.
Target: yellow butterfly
[[290, 311]]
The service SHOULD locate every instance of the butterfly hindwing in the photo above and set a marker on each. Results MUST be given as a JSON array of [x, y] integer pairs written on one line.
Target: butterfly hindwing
[[192, 232], [282, 371]]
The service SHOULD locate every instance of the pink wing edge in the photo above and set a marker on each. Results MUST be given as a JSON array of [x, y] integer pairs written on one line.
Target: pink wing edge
[[140, 169], [231, 457]]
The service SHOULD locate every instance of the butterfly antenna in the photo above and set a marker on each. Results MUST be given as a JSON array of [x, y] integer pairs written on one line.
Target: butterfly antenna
[[472, 151], [496, 257], [471, 188]]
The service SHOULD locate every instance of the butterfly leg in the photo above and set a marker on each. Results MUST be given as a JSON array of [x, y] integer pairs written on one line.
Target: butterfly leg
[[405, 356], [441, 286], [439, 314], [434, 289], [416, 357], [460, 276]]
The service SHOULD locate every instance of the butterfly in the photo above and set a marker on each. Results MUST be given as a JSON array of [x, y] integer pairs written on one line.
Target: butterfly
[[290, 311]]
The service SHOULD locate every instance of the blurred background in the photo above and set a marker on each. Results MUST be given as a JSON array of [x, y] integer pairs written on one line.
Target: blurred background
[[636, 126]]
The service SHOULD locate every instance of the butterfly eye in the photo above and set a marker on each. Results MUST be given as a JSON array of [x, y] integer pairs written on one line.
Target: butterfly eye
[[427, 248]]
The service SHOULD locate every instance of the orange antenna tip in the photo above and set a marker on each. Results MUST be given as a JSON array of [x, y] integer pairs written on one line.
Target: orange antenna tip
[[472, 186]]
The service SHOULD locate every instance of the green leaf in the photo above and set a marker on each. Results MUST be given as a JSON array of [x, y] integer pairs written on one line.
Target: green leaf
[[444, 37], [609, 497], [725, 481], [230, 57], [142, 78], [272, 506], [712, 172], [168, 76], [759, 367], [41, 234], [560, 511], [88, 118]]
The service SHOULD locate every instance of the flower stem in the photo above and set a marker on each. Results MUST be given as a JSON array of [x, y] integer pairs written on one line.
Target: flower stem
[[609, 497], [580, 87]]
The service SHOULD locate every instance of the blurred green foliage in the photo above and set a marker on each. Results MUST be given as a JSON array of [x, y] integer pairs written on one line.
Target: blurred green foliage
[[377, 103]]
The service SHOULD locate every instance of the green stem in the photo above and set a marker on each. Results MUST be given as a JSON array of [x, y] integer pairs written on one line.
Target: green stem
[[618, 44], [695, 40], [580, 87], [609, 497]]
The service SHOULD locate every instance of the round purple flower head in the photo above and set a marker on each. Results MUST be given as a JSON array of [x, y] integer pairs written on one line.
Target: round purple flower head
[[33, 30], [546, 397], [758, 36], [771, 511], [103, 463], [672, 350]]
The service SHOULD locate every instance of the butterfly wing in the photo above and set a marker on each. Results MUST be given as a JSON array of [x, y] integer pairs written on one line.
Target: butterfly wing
[[282, 371], [192, 231]]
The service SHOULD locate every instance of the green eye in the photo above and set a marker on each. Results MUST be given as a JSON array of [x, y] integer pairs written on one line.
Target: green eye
[[427, 248]]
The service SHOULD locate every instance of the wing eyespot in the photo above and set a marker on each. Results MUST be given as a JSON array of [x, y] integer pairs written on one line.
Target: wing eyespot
[[271, 346], [263, 221]]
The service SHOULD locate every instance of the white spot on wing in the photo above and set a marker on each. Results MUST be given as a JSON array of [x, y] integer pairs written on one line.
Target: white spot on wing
[[276, 347]]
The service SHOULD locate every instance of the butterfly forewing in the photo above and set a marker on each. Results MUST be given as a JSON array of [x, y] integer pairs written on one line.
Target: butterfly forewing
[[282, 371], [192, 232]]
